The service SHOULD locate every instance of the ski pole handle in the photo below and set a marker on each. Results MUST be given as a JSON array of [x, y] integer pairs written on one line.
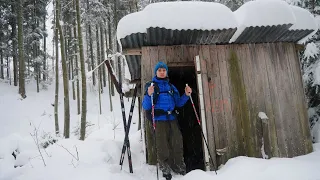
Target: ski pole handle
[[188, 86]]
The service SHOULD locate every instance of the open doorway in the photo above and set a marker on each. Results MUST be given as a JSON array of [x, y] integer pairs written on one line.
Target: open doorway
[[190, 129]]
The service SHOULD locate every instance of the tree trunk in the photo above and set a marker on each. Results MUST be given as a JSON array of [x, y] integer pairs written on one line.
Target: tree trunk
[[83, 76], [71, 63], [76, 58], [100, 89], [37, 77], [56, 97], [91, 49], [1, 65], [99, 92], [99, 57], [13, 24], [45, 51], [110, 45], [110, 84], [139, 107], [67, 45], [110, 92], [22, 90], [91, 56], [66, 131], [87, 48], [8, 69], [103, 68]]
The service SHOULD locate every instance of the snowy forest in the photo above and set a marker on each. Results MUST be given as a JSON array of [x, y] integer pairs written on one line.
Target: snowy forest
[[53, 50]]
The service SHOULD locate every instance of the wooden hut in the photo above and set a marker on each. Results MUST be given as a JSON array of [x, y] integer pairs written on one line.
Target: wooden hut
[[238, 70]]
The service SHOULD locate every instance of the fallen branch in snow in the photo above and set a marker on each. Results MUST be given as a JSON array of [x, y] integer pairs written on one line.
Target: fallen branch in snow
[[31, 159], [36, 141], [114, 128], [74, 164], [77, 158], [47, 153]]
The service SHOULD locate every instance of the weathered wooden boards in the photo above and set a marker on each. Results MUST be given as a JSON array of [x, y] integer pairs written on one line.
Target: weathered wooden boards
[[239, 81]]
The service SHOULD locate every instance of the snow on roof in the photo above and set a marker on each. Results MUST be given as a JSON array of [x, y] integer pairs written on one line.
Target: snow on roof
[[198, 15], [178, 15], [132, 23], [304, 19], [263, 13]]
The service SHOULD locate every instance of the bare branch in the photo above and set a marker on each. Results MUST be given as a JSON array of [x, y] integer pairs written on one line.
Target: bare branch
[[35, 139], [77, 158]]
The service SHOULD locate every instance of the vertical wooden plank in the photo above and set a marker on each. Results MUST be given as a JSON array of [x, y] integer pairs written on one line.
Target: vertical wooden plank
[[154, 58], [211, 128], [145, 67], [153, 61], [235, 81], [194, 50], [260, 101], [146, 73], [212, 124], [286, 96], [247, 115], [216, 97], [170, 54], [270, 136], [187, 57], [276, 94], [272, 78], [296, 127], [162, 53], [254, 101], [302, 104], [245, 61], [225, 103], [177, 54]]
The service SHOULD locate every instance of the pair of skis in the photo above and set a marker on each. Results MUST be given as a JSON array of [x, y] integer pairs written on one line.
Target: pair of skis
[[126, 143]]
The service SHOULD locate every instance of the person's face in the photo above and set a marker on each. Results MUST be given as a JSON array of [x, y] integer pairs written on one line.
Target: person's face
[[161, 73]]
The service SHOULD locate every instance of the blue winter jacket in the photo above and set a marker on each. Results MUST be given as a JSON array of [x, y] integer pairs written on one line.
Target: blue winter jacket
[[165, 101]]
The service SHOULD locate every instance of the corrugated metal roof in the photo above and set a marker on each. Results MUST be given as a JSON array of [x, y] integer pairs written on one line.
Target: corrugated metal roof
[[133, 41], [295, 35], [161, 36], [262, 34], [134, 65]]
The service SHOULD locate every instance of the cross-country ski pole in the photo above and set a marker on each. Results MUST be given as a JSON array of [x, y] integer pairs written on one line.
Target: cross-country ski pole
[[195, 111], [154, 132]]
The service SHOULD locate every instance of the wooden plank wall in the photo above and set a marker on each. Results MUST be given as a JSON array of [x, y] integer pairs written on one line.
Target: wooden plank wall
[[239, 82], [251, 78]]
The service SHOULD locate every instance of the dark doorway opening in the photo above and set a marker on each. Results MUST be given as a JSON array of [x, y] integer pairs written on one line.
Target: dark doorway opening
[[190, 129]]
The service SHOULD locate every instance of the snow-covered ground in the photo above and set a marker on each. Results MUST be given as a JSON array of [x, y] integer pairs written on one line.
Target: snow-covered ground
[[98, 156]]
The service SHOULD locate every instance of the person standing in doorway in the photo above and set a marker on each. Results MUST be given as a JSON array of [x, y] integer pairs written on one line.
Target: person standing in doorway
[[166, 98]]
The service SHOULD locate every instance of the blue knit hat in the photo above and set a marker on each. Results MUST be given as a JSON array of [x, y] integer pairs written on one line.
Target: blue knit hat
[[160, 65]]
